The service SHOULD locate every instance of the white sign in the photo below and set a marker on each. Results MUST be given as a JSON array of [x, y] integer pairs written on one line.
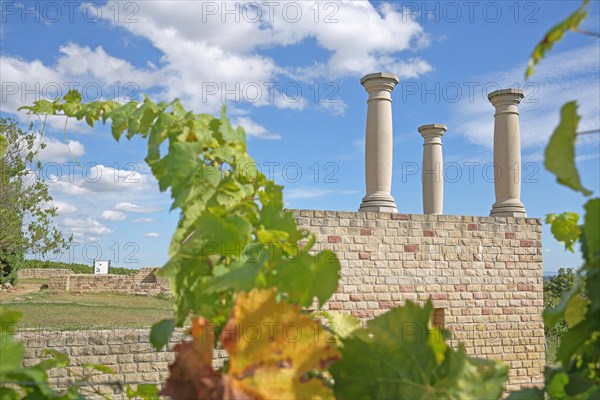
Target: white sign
[[101, 267]]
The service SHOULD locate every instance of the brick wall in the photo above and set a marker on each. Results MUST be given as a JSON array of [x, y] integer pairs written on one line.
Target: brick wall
[[126, 351], [144, 281], [484, 273], [42, 273]]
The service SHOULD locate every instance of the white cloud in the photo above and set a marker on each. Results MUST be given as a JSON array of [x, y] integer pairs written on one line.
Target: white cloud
[[63, 207], [559, 78], [147, 220], [57, 151], [100, 178], [94, 179], [111, 215], [83, 228], [254, 129], [207, 56], [151, 235], [136, 208]]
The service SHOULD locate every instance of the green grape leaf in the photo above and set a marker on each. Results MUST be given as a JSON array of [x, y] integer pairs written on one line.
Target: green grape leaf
[[527, 394], [12, 356], [242, 274], [306, 276], [144, 391], [556, 386], [591, 226], [9, 319], [555, 314], [554, 35], [399, 355], [564, 228], [560, 153], [3, 145], [100, 368], [8, 393], [158, 133], [58, 360], [72, 96], [120, 118], [576, 337], [161, 332], [343, 325], [576, 310]]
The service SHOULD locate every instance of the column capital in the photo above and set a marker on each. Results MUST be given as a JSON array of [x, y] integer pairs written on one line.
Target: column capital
[[506, 97], [432, 131], [379, 81]]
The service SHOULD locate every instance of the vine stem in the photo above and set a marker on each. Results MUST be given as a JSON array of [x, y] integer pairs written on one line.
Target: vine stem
[[589, 33], [588, 132]]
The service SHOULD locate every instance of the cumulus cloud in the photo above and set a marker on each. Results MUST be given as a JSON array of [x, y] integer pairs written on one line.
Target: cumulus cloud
[[254, 129], [84, 228], [151, 235], [208, 54], [56, 151], [146, 220], [63, 207], [111, 215], [559, 78], [135, 208], [87, 179]]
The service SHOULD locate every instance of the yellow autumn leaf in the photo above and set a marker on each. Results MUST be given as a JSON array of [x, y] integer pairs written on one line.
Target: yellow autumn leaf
[[272, 346]]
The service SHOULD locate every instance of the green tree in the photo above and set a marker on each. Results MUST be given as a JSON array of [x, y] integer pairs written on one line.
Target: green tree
[[25, 214], [554, 289]]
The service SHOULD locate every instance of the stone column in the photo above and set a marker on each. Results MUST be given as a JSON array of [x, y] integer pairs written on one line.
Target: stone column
[[433, 164], [379, 142], [507, 154]]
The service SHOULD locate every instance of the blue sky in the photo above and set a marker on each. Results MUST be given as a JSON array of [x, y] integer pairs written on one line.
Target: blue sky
[[289, 73]]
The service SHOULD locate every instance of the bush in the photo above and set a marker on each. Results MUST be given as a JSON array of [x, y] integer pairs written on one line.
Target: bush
[[10, 262]]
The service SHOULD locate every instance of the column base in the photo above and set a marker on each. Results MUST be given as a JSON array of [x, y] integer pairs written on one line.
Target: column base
[[378, 202], [508, 208]]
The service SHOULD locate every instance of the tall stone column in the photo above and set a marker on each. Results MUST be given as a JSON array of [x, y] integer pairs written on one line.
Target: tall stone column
[[379, 142], [507, 154], [433, 164]]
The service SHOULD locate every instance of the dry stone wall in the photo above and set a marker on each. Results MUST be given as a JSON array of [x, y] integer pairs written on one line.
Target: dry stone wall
[[42, 273], [126, 351], [143, 282], [483, 274]]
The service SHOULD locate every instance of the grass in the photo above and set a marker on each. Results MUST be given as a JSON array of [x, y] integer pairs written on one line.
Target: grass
[[49, 310]]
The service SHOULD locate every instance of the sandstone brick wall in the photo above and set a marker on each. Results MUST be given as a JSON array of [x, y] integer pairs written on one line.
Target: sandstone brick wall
[[143, 281], [126, 351], [484, 273], [42, 273]]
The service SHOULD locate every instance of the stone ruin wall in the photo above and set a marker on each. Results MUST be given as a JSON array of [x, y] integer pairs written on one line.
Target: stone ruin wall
[[484, 275], [144, 282]]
